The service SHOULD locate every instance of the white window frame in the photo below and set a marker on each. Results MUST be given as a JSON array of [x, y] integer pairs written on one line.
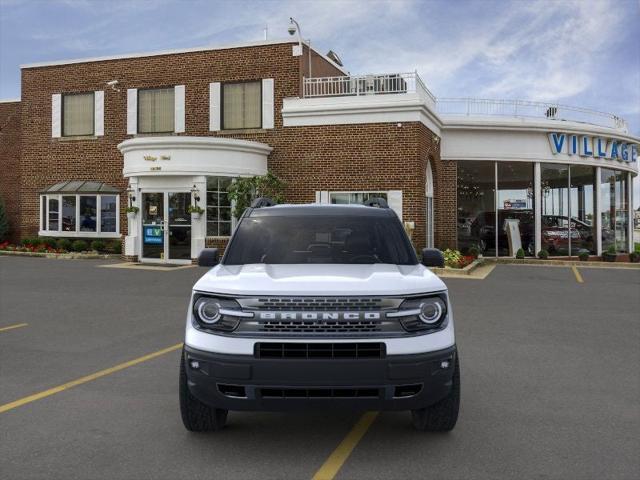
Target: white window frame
[[78, 233], [355, 192], [234, 220], [95, 115]]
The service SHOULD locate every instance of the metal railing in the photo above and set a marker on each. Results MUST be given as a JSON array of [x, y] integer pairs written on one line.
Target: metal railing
[[528, 109], [357, 85], [402, 83]]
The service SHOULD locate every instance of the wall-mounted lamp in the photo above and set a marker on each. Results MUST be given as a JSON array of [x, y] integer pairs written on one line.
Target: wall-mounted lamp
[[195, 194], [132, 197]]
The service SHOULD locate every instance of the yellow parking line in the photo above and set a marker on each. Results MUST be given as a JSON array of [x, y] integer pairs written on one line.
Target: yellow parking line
[[330, 468], [88, 378], [577, 274], [11, 327]]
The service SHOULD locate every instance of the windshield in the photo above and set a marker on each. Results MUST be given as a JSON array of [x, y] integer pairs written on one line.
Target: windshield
[[320, 239]]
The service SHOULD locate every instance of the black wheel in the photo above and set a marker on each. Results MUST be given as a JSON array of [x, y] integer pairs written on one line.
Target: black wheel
[[442, 416], [198, 416]]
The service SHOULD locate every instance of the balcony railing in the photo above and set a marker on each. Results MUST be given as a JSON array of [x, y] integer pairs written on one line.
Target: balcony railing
[[357, 85], [525, 108], [399, 83]]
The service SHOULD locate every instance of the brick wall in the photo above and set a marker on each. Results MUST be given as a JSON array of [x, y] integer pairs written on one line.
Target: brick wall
[[10, 164], [341, 157]]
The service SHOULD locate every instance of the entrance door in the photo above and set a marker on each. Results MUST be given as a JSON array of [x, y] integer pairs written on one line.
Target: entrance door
[[166, 227]]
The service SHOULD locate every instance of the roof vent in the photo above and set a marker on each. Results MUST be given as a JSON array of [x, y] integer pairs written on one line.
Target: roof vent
[[376, 202]]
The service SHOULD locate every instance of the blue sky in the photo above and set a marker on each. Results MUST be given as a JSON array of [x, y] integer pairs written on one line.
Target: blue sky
[[579, 52]]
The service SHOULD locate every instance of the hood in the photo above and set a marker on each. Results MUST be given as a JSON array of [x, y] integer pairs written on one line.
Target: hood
[[319, 279]]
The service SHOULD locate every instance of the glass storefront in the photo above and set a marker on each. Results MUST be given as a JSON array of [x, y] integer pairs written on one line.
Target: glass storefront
[[477, 206], [497, 208], [614, 209], [515, 208]]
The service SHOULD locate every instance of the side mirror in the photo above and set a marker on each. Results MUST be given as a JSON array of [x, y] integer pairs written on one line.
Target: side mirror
[[432, 257], [208, 257]]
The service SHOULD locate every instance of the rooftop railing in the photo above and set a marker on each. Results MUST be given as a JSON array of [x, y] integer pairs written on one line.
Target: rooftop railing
[[528, 109], [357, 85], [401, 83]]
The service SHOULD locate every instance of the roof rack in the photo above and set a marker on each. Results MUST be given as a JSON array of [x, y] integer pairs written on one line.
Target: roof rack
[[262, 202], [376, 202]]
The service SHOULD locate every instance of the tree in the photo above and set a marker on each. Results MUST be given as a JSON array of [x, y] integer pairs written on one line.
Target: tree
[[244, 190], [4, 222]]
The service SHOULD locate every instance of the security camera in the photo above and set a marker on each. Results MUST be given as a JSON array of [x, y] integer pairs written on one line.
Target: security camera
[[112, 83], [291, 29]]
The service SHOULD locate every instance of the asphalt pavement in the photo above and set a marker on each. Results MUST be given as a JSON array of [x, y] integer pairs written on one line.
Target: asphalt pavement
[[550, 384]]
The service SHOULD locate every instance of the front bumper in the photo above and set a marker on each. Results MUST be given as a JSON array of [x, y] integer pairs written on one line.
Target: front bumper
[[243, 382]]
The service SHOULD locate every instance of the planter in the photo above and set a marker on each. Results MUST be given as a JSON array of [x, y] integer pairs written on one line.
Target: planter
[[195, 215], [609, 257], [131, 216], [634, 257]]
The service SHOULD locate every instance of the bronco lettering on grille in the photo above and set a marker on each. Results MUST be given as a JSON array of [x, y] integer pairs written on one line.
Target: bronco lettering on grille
[[319, 315]]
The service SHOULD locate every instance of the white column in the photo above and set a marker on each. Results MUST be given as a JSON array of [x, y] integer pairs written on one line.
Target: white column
[[537, 207], [630, 211], [598, 213], [132, 241], [199, 227]]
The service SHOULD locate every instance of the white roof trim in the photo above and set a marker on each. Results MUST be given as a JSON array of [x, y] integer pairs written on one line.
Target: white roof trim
[[170, 52], [9, 100]]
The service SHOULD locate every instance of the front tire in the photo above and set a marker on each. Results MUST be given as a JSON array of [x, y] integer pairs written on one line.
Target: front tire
[[198, 416], [441, 416]]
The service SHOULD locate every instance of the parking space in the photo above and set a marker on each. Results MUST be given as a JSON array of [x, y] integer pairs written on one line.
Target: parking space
[[550, 384]]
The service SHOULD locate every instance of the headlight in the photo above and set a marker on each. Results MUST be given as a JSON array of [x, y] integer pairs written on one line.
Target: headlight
[[208, 310], [427, 313], [214, 313], [431, 310]]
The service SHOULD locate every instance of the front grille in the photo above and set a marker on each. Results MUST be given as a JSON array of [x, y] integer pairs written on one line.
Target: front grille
[[320, 326], [320, 392], [318, 304], [320, 350]]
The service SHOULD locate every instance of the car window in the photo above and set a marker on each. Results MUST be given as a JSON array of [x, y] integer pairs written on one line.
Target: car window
[[320, 239]]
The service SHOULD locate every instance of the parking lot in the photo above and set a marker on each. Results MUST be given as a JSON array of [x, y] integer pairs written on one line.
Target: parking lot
[[550, 384]]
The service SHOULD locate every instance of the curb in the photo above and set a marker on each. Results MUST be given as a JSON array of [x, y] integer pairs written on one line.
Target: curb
[[63, 256], [564, 263], [468, 270]]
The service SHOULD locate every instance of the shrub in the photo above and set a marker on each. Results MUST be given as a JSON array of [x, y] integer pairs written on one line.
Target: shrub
[[64, 244], [634, 257], [4, 222], [583, 255], [611, 250], [474, 251], [115, 246], [28, 241], [520, 253], [543, 254], [79, 246], [47, 242], [97, 245], [452, 258], [245, 189]]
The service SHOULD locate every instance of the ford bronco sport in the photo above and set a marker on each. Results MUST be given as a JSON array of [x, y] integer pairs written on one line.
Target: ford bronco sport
[[319, 305]]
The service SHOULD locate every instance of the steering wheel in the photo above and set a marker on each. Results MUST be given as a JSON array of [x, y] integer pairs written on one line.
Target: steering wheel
[[364, 258]]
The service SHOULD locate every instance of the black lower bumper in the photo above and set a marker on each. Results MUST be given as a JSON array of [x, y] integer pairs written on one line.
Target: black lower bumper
[[242, 382]]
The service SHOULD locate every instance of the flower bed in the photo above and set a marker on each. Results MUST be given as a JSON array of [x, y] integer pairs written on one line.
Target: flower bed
[[46, 246]]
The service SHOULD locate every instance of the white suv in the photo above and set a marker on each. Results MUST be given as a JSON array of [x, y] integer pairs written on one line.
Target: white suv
[[319, 305]]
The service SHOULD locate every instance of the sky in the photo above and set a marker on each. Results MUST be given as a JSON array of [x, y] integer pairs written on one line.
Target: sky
[[584, 53]]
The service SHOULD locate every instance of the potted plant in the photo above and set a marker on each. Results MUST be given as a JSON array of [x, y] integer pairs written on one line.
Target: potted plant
[[195, 211], [520, 254], [610, 255], [635, 255], [583, 255], [131, 212], [543, 254]]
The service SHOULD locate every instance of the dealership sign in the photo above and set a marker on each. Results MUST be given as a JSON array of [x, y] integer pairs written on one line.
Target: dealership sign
[[597, 147]]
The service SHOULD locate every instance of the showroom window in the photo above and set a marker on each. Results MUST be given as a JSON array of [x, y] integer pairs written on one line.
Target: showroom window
[[156, 110], [516, 221], [71, 209], [219, 218], [614, 209], [78, 114], [346, 198], [477, 206], [241, 105]]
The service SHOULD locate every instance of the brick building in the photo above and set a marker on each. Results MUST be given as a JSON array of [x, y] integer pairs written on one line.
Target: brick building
[[165, 130]]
